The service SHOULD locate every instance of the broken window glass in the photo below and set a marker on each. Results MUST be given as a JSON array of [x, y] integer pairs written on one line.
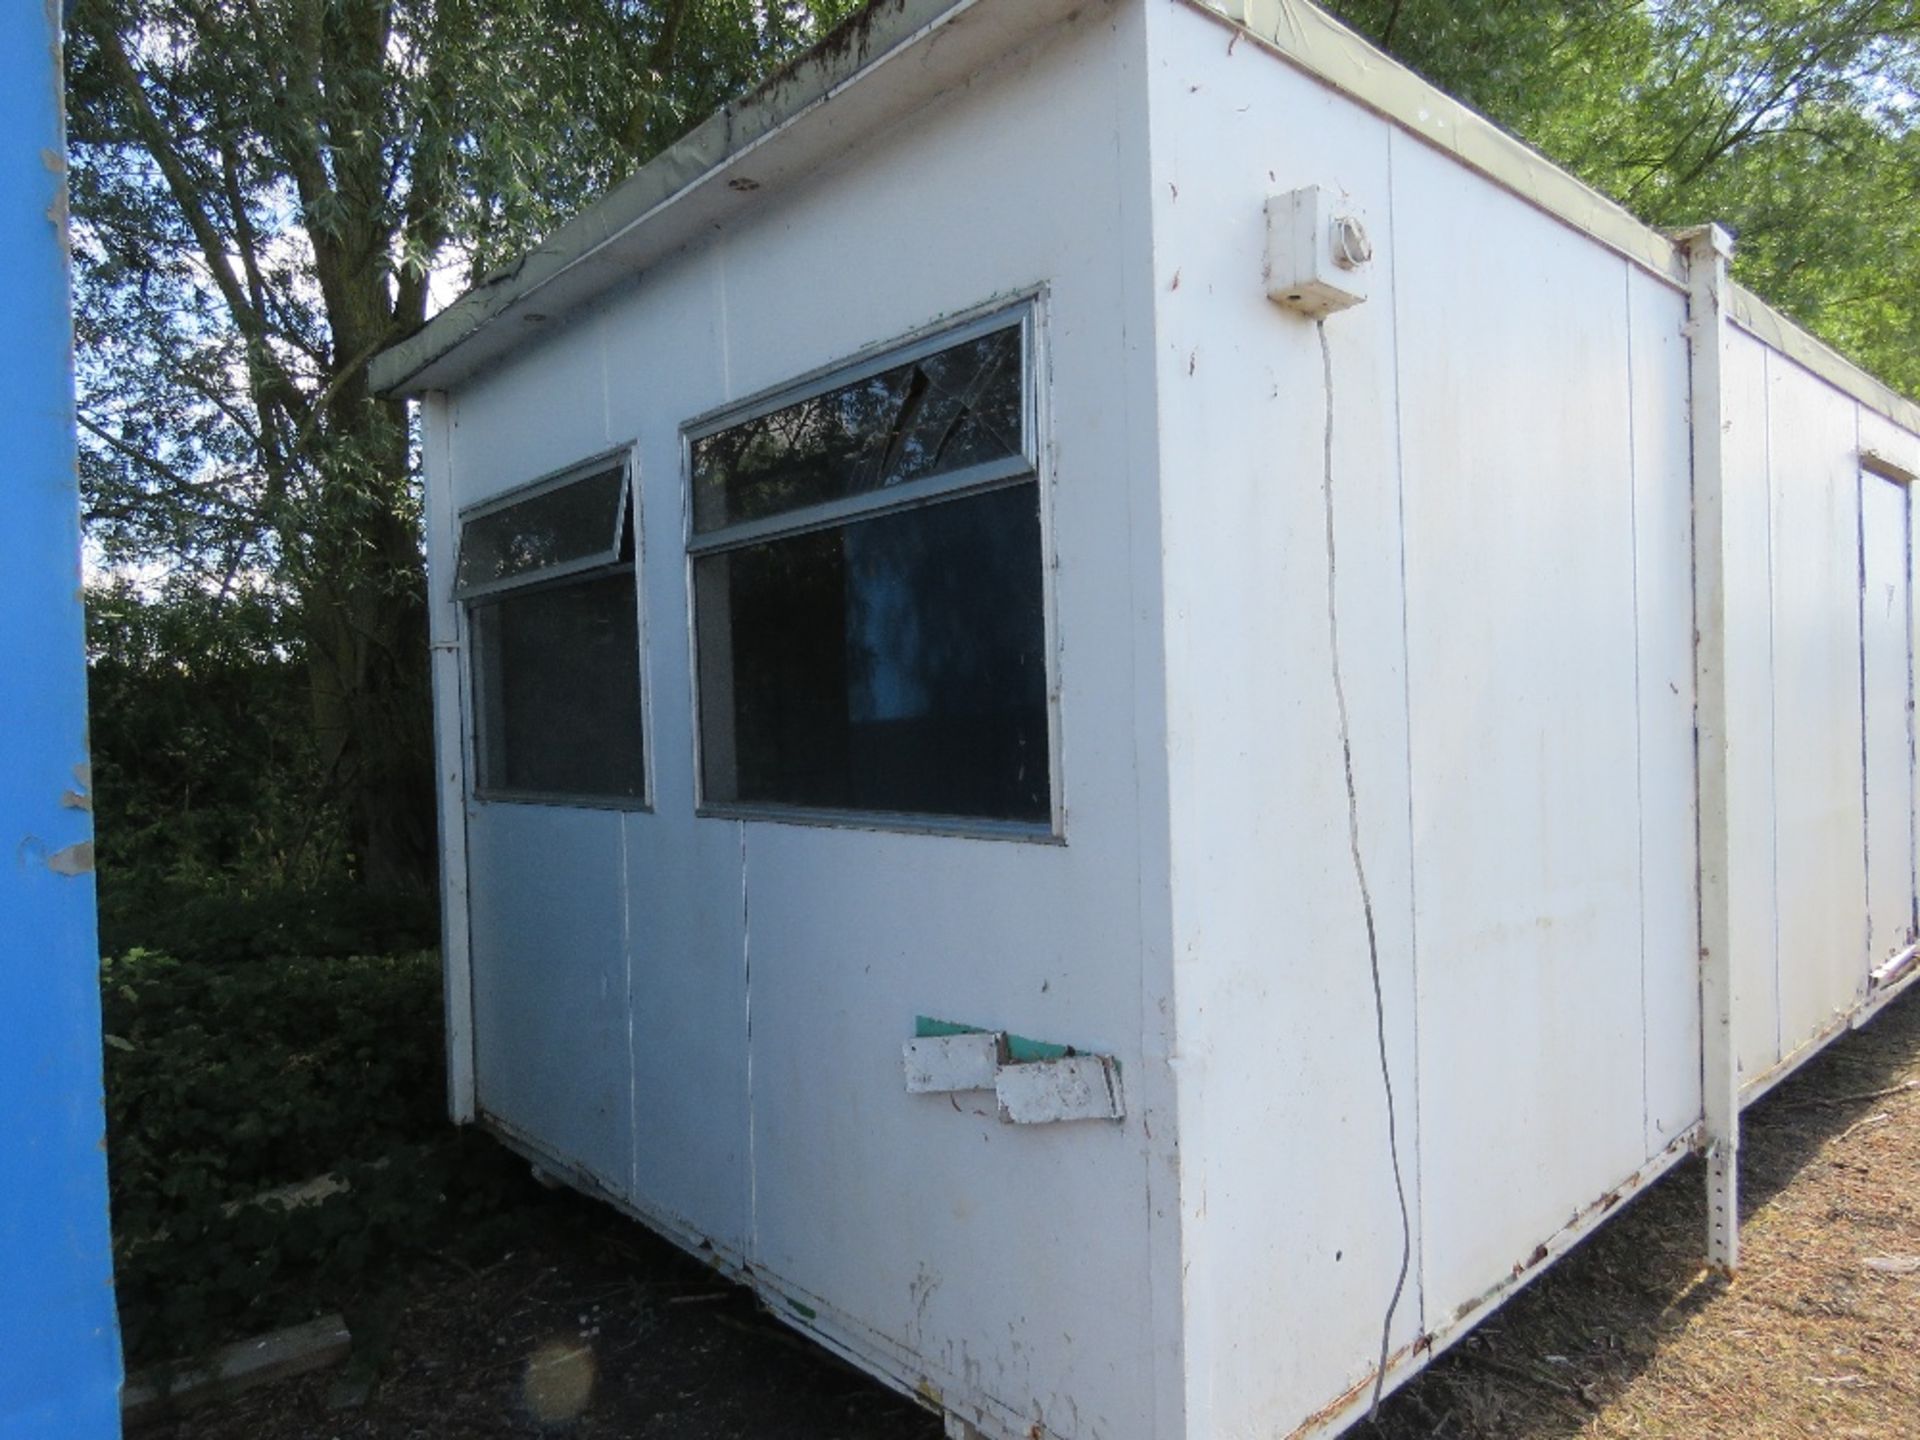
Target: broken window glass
[[889, 662], [568, 525], [555, 658], [943, 413]]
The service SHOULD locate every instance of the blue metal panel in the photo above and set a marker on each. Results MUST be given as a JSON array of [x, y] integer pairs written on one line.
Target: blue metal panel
[[59, 1350]]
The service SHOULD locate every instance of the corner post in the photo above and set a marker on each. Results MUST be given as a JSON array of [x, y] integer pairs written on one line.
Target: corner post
[[1709, 248], [450, 761]]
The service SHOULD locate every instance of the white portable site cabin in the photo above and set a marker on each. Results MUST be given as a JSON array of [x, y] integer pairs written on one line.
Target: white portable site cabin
[[968, 591]]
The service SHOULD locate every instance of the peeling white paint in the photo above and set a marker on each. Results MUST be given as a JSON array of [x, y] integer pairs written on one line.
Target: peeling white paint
[[72, 859], [1045, 1092]]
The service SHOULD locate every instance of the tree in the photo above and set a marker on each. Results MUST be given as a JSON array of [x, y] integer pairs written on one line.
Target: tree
[[1794, 121], [263, 191]]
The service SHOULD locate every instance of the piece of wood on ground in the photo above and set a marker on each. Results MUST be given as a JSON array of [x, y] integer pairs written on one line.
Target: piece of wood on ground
[[273, 1356]]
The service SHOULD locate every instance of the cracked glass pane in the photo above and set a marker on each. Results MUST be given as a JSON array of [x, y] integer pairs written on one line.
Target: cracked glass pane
[[574, 522], [956, 408]]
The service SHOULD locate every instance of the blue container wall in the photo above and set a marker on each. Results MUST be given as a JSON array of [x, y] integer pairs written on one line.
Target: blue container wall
[[59, 1348]]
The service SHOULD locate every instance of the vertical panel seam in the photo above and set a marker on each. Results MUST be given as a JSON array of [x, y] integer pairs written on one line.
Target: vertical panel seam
[[1859, 617], [746, 992], [1639, 713], [1913, 811], [633, 1078], [1773, 709], [1416, 1110]]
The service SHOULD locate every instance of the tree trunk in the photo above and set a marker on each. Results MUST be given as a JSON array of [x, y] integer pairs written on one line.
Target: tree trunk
[[363, 596]]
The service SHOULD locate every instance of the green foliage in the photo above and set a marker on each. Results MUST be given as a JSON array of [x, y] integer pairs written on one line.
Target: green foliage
[[261, 191], [204, 766], [220, 922], [217, 831], [1795, 122], [225, 1081]]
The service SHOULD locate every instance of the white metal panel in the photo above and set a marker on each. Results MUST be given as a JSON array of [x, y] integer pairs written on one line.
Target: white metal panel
[[550, 982], [1519, 492], [544, 411], [1884, 443], [1748, 521], [1012, 1259], [1816, 644], [893, 1239], [1886, 667], [1880, 436], [1292, 1227], [545, 884], [1663, 677], [686, 923], [664, 348], [1006, 1265]]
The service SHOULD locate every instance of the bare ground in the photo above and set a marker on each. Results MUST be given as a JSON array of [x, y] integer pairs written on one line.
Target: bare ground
[[596, 1330]]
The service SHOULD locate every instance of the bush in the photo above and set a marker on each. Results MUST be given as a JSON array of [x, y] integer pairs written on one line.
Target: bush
[[226, 1080], [211, 921], [205, 769]]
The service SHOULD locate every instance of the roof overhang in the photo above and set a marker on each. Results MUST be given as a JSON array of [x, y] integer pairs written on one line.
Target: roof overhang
[[897, 56], [892, 58]]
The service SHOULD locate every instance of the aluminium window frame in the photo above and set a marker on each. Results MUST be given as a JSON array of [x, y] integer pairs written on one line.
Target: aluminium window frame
[[628, 522], [1028, 309]]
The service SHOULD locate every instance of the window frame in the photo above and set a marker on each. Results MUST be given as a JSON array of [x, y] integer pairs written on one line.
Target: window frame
[[628, 524], [1027, 310]]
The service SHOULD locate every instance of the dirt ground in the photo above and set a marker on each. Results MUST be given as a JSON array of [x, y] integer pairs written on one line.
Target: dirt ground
[[597, 1330]]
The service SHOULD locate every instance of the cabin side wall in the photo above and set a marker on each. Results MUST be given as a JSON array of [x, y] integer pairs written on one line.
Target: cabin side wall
[[1819, 622], [1512, 591], [703, 1017]]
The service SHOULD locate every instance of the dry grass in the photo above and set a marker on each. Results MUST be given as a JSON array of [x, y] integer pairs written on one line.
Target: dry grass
[[1818, 1337]]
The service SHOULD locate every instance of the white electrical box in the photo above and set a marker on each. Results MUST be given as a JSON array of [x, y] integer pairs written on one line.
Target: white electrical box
[[1318, 253]]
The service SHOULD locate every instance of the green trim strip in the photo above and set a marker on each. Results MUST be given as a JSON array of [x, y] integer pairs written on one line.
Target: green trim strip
[[1020, 1049]]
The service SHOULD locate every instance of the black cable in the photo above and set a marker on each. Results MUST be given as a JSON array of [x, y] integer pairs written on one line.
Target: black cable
[[1366, 894]]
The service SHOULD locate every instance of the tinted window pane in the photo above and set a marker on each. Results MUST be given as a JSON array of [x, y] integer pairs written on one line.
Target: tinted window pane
[[958, 407], [893, 664], [557, 673], [578, 521]]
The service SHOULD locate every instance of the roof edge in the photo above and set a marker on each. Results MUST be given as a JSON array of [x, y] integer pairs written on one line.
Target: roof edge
[[1320, 46], [1774, 330], [841, 57], [1299, 33], [1313, 41]]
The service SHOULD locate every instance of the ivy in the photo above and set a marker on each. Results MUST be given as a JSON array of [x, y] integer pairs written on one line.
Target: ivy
[[227, 1080]]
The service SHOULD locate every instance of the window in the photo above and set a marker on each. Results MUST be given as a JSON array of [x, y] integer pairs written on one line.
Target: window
[[553, 619], [867, 575]]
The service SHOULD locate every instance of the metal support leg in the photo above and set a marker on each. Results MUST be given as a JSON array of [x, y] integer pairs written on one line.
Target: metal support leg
[[1708, 250], [1723, 1205]]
